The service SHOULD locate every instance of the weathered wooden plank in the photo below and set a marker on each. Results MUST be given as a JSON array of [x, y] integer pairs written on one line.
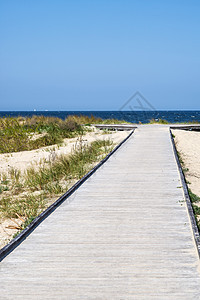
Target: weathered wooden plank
[[124, 234]]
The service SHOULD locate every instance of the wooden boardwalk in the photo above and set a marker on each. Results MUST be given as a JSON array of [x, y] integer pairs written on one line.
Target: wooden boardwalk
[[124, 234]]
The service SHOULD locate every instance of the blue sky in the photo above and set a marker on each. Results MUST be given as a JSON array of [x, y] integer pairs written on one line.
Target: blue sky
[[93, 55]]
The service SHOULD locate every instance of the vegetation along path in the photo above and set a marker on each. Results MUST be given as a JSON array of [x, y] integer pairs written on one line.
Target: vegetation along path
[[124, 234]]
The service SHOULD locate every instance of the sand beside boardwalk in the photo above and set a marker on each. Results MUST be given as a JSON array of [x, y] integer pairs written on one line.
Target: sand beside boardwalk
[[188, 144], [23, 160]]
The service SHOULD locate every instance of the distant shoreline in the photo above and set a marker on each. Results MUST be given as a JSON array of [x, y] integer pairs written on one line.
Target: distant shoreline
[[176, 116]]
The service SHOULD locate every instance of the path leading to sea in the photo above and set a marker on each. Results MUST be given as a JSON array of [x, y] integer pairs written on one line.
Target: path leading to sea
[[124, 234]]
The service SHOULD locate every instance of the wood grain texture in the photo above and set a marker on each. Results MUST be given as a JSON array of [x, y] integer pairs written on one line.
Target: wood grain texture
[[124, 234]]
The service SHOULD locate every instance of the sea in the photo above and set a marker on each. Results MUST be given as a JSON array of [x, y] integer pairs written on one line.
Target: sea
[[177, 116]]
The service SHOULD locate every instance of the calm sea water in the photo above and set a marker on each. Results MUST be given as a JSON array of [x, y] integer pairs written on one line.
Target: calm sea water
[[130, 116]]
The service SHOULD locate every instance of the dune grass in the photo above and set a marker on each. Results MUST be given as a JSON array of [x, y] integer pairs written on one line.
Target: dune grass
[[66, 167], [163, 121], [22, 134], [86, 120]]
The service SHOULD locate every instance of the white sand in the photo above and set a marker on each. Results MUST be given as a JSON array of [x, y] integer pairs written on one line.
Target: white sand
[[23, 160], [188, 144]]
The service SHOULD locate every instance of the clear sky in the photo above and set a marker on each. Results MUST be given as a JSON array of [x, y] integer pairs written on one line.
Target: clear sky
[[93, 55]]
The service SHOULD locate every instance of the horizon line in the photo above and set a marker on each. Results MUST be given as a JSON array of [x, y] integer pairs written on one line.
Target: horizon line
[[156, 110]]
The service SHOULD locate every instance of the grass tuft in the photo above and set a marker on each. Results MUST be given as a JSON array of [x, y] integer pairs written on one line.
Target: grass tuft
[[158, 121], [194, 198]]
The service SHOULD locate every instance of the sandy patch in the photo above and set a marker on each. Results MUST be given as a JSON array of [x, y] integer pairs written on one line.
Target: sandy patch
[[24, 159], [188, 144]]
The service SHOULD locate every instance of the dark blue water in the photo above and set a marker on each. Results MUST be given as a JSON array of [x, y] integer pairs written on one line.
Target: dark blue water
[[130, 116]]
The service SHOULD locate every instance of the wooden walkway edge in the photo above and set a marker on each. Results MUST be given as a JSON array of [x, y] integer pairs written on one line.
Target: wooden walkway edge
[[187, 199]]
